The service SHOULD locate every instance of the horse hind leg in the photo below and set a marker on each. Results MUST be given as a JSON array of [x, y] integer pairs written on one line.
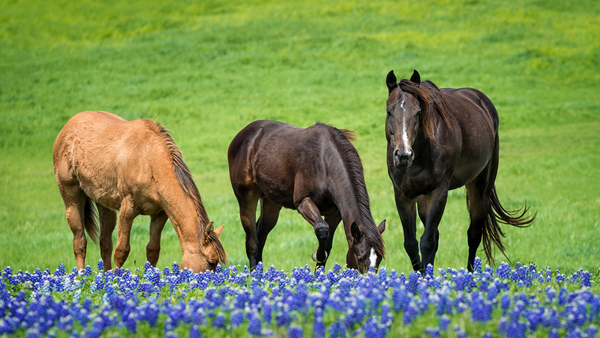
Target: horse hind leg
[[108, 222], [248, 199], [126, 215], [478, 204], [269, 214], [157, 223], [80, 217]]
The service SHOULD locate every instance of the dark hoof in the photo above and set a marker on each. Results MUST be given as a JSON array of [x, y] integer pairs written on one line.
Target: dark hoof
[[314, 257]]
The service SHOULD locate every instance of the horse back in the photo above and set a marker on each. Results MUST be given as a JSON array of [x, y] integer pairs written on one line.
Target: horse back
[[285, 162], [109, 157]]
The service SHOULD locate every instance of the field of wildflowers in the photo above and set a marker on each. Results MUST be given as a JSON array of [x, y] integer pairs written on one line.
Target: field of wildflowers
[[236, 302]]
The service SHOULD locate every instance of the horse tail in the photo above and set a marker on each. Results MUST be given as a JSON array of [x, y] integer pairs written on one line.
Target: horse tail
[[89, 220], [498, 214]]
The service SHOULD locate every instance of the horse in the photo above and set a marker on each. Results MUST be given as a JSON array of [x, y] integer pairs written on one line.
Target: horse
[[439, 140], [134, 167], [316, 171]]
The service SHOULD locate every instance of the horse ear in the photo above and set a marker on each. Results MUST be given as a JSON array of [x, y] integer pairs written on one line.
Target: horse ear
[[355, 231], [219, 230], [391, 81], [416, 78], [381, 227], [207, 230]]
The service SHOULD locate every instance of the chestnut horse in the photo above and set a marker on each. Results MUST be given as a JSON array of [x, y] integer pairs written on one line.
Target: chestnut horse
[[316, 171], [134, 167], [439, 140]]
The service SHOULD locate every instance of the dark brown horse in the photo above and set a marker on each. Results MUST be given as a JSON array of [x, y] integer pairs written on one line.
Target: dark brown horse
[[136, 168], [316, 171], [439, 140]]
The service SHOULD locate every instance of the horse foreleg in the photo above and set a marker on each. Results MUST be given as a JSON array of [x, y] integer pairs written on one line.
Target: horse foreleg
[[157, 223], [108, 222], [308, 209], [408, 217], [126, 215], [269, 214], [423, 206], [430, 238], [333, 222]]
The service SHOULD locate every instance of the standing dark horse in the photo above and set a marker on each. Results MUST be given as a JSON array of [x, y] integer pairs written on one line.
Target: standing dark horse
[[134, 167], [314, 170], [439, 140]]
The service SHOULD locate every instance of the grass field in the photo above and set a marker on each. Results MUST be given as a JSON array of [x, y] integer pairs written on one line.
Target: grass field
[[205, 69]]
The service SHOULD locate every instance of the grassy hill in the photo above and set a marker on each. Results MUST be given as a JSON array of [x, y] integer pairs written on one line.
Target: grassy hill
[[205, 69]]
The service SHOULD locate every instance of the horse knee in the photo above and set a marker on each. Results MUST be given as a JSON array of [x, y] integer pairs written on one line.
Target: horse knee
[[322, 232]]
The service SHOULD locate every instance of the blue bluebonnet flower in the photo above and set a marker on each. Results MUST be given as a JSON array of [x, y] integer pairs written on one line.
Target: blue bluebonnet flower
[[337, 330], [237, 318], [444, 322], [195, 331], [295, 331], [433, 332], [318, 326], [255, 325], [413, 280], [219, 321]]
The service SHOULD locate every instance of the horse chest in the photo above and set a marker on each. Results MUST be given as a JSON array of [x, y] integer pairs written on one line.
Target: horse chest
[[415, 183]]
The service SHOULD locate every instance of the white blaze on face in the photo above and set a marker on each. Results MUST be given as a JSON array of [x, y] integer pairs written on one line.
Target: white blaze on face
[[404, 133], [373, 258]]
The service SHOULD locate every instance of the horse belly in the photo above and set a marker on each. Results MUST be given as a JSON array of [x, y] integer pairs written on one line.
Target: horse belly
[[471, 162], [277, 188]]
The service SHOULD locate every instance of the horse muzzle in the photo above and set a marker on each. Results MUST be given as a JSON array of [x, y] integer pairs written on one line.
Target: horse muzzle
[[403, 158]]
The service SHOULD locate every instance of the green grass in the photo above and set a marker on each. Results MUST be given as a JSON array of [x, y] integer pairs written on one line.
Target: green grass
[[206, 69]]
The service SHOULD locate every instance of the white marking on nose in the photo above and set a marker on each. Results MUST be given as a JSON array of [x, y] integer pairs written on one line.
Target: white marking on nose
[[373, 258]]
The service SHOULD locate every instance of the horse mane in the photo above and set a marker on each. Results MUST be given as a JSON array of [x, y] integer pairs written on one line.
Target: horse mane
[[342, 138], [432, 100], [186, 182]]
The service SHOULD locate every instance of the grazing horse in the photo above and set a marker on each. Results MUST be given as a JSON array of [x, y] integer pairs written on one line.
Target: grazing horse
[[439, 140], [316, 171], [134, 167]]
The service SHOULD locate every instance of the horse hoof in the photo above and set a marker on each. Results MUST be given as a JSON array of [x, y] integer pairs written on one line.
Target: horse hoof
[[314, 257]]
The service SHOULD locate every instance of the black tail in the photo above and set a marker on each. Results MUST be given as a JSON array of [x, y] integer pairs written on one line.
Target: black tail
[[89, 220], [491, 229]]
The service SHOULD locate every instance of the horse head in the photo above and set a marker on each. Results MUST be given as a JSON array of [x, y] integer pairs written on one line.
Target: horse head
[[403, 120], [365, 253], [211, 246]]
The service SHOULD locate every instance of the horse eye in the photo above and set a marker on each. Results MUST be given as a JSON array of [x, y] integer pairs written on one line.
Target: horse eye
[[213, 264]]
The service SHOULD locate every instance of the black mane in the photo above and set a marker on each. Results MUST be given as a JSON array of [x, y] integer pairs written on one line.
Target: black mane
[[342, 138]]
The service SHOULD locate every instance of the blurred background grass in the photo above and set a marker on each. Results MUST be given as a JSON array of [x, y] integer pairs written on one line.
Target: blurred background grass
[[205, 69]]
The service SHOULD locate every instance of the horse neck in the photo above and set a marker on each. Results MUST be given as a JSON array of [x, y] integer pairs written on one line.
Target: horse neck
[[347, 200]]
